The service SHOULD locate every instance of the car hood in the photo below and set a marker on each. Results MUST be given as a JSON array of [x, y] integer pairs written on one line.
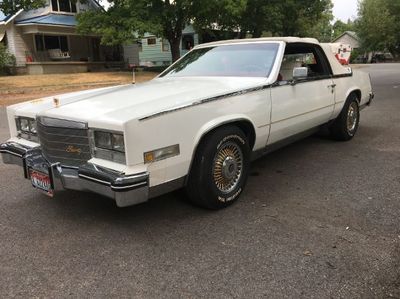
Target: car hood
[[122, 103]]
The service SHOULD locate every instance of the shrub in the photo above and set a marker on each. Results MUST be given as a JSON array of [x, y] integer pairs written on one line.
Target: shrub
[[7, 61]]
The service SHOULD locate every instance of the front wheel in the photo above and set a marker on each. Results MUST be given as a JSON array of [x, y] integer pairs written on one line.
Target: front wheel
[[220, 168], [346, 124]]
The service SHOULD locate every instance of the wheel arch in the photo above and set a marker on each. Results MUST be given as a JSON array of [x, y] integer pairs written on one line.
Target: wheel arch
[[356, 91], [242, 122]]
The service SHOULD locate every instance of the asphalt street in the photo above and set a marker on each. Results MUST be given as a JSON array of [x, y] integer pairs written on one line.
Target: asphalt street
[[319, 219]]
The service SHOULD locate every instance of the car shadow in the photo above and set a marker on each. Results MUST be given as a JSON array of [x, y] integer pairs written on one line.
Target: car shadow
[[174, 205]]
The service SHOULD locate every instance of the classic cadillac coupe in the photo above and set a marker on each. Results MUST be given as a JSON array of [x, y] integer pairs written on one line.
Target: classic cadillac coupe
[[197, 125]]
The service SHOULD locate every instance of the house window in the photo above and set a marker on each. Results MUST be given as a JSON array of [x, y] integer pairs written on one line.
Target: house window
[[64, 5], [151, 41], [187, 41], [165, 45], [49, 42], [39, 43]]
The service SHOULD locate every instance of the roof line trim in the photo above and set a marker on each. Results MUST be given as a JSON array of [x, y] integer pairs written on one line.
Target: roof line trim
[[11, 18]]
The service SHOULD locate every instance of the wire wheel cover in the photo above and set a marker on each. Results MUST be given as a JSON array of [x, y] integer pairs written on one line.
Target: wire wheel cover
[[352, 117], [227, 168]]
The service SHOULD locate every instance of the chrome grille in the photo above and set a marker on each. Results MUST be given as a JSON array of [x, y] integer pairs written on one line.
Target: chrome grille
[[67, 144]]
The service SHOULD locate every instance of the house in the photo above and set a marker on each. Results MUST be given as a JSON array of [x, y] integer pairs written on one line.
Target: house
[[45, 40], [152, 50], [348, 38], [155, 51], [351, 38]]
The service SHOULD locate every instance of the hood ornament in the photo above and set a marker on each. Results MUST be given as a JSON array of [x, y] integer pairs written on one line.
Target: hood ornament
[[56, 102]]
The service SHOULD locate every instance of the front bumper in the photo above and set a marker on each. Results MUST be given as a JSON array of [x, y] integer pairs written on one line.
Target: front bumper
[[126, 190]]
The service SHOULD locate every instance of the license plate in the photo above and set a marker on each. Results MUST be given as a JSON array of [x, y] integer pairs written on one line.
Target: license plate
[[41, 181]]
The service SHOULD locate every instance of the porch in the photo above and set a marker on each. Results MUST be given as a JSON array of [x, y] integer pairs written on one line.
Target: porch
[[57, 49]]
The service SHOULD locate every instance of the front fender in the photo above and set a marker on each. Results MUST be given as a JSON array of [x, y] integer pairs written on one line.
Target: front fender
[[218, 122]]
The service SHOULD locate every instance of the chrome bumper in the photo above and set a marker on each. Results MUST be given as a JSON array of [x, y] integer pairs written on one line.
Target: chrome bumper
[[371, 97], [369, 102], [126, 190]]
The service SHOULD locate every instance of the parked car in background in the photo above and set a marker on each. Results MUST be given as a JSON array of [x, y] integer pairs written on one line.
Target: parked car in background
[[382, 57], [197, 125]]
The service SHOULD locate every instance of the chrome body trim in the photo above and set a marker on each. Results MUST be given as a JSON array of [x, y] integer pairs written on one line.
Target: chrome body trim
[[236, 93], [125, 190], [204, 101]]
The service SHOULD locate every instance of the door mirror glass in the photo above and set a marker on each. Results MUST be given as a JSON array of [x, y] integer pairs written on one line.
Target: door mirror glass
[[300, 73]]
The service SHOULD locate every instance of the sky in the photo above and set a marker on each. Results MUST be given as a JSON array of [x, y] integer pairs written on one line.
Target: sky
[[344, 9]]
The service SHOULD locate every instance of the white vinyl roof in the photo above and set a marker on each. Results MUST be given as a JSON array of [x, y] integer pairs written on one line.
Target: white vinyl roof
[[337, 68], [288, 39]]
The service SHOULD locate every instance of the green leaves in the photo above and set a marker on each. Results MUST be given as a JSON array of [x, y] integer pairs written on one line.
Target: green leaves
[[126, 20], [7, 60], [118, 25], [10, 7], [378, 25]]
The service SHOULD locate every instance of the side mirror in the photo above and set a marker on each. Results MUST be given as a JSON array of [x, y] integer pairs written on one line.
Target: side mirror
[[300, 73]]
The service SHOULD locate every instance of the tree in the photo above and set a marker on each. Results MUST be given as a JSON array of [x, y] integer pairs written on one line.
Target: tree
[[274, 17], [10, 7], [394, 10], [126, 20], [7, 60], [340, 27], [299, 16], [376, 26], [322, 28]]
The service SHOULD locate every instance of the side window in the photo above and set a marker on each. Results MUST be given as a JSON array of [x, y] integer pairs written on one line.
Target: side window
[[303, 55], [289, 62]]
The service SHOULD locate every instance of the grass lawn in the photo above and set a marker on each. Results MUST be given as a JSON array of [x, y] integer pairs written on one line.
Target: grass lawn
[[15, 89]]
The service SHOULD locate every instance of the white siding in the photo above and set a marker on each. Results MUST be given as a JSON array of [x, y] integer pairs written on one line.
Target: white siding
[[156, 55], [16, 44]]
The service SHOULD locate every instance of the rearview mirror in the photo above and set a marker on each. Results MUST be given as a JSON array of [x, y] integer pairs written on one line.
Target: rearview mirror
[[300, 73]]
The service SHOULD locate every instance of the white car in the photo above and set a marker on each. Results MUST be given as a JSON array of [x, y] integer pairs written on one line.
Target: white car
[[197, 125]]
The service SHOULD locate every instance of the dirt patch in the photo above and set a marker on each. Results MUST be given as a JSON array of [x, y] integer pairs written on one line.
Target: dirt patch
[[15, 89]]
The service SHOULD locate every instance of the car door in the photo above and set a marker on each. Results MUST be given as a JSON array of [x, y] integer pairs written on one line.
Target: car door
[[305, 104]]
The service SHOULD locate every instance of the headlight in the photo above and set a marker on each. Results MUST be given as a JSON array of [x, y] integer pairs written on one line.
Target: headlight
[[24, 124], [118, 142], [26, 128], [103, 139], [32, 126], [108, 145]]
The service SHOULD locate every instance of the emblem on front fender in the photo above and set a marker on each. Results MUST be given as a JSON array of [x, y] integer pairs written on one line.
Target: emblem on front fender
[[73, 149]]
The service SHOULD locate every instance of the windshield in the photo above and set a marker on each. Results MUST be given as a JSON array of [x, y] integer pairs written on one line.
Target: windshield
[[239, 60]]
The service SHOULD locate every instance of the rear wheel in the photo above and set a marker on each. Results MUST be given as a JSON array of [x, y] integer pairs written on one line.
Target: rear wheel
[[346, 124], [220, 168]]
